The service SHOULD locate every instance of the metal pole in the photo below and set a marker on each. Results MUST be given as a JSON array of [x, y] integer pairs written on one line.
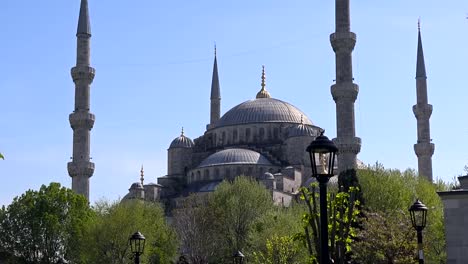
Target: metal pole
[[137, 258], [420, 246], [324, 255]]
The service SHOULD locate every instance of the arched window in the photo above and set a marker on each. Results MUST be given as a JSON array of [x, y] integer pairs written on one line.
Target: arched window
[[275, 133], [238, 171], [206, 175], [247, 134], [261, 133], [234, 135], [198, 177]]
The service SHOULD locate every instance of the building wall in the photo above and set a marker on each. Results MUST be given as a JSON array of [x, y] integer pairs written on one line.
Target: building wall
[[456, 222]]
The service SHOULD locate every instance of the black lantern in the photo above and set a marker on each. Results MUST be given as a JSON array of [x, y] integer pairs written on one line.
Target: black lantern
[[238, 257], [323, 150], [418, 212], [137, 245]]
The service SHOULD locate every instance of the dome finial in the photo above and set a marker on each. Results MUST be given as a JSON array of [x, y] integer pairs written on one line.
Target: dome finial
[[263, 77], [263, 92], [419, 24], [215, 48], [142, 175], [182, 132]]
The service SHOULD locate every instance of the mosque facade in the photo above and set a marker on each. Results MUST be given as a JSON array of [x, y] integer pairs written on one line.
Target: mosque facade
[[263, 138]]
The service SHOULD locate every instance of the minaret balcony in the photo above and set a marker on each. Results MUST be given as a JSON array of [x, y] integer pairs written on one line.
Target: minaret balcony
[[347, 91], [82, 72], [343, 42], [348, 145], [422, 112], [424, 149], [80, 168], [82, 119]]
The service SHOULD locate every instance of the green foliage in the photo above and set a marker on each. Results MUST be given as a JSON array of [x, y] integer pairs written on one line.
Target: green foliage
[[107, 237], [279, 250], [237, 206], [389, 194], [239, 215], [276, 226], [44, 226], [193, 224], [1, 156], [385, 238], [342, 215]]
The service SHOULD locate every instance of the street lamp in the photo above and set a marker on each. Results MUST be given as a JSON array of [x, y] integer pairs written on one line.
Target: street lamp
[[137, 245], [323, 150], [238, 257], [418, 212]]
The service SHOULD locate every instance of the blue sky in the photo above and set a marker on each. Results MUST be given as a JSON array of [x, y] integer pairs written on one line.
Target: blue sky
[[153, 63]]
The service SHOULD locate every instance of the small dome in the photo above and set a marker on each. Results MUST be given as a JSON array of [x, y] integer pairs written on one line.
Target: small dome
[[234, 156], [136, 185], [268, 176], [301, 130], [182, 142]]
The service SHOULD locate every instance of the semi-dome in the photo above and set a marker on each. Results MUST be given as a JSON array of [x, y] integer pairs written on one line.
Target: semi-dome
[[182, 142], [263, 110], [301, 130], [136, 185], [235, 156]]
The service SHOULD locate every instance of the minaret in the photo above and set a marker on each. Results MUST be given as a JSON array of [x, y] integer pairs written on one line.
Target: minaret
[[81, 120], [424, 149], [142, 175], [215, 109], [344, 91]]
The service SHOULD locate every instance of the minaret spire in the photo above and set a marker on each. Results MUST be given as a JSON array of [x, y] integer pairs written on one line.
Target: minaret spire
[[215, 109], [420, 65], [84, 26], [82, 120], [344, 91], [424, 149]]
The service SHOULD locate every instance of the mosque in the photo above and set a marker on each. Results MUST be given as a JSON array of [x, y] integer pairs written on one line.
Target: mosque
[[264, 138]]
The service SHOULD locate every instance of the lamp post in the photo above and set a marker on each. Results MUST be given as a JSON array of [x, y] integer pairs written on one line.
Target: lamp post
[[238, 257], [323, 150], [137, 245], [418, 212]]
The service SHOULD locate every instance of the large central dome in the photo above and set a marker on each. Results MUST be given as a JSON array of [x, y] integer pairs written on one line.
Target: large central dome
[[263, 110]]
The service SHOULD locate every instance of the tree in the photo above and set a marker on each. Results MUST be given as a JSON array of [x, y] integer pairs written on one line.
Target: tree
[[280, 250], [237, 206], [274, 231], [193, 224], [44, 226], [387, 195], [342, 214], [107, 237], [385, 239]]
